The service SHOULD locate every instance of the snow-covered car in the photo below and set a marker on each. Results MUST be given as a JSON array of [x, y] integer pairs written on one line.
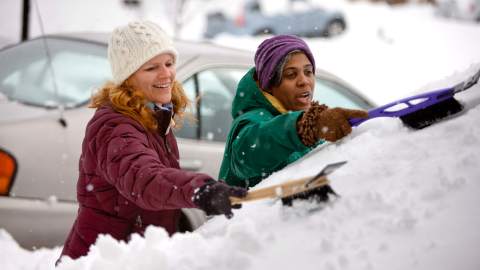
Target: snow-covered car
[[252, 21], [45, 86], [408, 200], [468, 10]]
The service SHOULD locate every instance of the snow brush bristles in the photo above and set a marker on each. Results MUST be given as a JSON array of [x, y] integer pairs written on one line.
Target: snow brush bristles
[[432, 114], [424, 109], [316, 188]]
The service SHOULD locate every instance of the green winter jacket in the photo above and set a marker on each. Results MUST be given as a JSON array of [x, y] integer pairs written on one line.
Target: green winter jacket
[[261, 140]]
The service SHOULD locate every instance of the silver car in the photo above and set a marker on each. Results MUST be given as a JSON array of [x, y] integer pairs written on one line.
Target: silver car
[[45, 86], [252, 21], [468, 10]]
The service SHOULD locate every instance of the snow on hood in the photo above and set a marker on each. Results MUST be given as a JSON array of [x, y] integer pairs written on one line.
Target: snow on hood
[[408, 201]]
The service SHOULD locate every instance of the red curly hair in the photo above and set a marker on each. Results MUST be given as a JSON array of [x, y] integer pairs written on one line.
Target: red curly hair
[[132, 103]]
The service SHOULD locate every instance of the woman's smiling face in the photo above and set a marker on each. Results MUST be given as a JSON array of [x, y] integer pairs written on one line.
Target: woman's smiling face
[[155, 78], [295, 91]]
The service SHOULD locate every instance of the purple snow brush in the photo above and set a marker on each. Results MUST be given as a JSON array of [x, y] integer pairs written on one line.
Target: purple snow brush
[[422, 110]]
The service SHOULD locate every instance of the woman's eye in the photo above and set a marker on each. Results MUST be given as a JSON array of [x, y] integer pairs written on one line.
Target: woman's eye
[[290, 75], [149, 68]]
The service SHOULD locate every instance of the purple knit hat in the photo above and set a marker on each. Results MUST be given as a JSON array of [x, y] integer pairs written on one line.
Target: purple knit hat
[[271, 52]]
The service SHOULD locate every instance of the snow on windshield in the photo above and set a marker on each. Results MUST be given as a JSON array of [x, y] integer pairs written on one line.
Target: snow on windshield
[[408, 198]]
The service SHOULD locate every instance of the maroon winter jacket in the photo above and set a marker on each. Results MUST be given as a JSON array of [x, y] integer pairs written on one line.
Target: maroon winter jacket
[[129, 178]]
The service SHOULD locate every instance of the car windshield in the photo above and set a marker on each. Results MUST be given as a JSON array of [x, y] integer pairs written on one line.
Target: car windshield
[[66, 78], [337, 95]]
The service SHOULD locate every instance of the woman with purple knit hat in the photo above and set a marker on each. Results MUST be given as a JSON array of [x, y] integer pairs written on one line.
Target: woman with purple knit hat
[[275, 120]]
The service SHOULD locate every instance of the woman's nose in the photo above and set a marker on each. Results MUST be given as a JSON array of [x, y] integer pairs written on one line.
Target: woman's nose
[[302, 79], [164, 72]]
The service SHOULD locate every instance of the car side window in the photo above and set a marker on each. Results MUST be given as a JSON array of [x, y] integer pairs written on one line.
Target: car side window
[[189, 127], [213, 90], [67, 78], [336, 95]]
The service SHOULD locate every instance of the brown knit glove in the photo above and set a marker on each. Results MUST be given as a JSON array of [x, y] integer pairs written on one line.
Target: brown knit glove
[[321, 122]]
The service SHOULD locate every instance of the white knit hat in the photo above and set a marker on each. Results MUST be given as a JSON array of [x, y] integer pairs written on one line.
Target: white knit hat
[[132, 45]]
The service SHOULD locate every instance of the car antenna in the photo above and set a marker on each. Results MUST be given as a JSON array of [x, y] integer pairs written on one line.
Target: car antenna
[[61, 107]]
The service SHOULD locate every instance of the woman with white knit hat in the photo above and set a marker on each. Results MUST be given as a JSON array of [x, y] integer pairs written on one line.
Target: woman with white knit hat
[[129, 175]]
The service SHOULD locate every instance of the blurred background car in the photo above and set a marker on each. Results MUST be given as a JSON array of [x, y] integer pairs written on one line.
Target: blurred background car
[[45, 87], [468, 10], [251, 20]]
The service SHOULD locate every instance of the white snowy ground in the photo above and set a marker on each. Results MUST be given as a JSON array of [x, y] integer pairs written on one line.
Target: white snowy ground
[[409, 199]]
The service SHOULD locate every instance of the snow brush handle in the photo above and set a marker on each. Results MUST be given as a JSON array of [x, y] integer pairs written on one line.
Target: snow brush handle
[[284, 190], [414, 103], [406, 106], [291, 187]]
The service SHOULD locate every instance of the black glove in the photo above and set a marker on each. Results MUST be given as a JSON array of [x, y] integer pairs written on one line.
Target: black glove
[[320, 194], [213, 198]]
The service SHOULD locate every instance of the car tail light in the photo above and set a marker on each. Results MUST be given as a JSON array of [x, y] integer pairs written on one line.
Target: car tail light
[[8, 169], [240, 20]]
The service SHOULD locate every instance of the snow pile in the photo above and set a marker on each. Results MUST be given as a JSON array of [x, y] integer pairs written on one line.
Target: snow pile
[[408, 201], [408, 198], [14, 257]]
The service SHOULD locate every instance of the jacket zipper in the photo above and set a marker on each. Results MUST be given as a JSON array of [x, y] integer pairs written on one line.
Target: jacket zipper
[[167, 146], [138, 222]]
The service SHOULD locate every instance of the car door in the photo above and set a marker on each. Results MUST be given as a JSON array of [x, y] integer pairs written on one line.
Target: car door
[[42, 124], [203, 134]]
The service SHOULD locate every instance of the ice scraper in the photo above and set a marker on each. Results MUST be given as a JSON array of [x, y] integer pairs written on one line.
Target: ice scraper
[[422, 110]]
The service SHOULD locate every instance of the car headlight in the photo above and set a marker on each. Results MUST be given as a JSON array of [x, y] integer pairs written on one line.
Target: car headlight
[[8, 169]]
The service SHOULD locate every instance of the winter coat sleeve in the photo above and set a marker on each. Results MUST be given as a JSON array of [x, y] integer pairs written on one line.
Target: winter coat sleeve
[[263, 143], [126, 161]]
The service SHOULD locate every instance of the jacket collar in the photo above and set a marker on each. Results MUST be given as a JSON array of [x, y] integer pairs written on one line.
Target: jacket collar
[[275, 102], [164, 114]]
